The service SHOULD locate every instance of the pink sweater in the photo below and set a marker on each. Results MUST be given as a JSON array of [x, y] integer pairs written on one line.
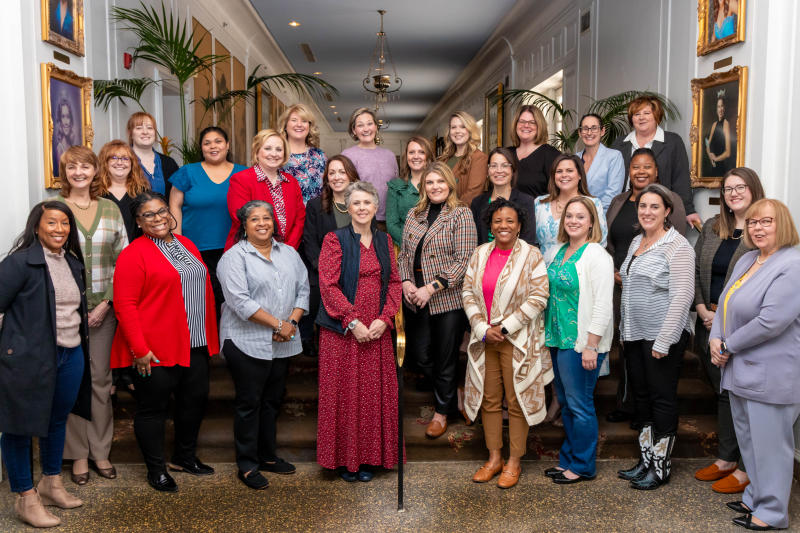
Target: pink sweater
[[494, 267], [377, 166]]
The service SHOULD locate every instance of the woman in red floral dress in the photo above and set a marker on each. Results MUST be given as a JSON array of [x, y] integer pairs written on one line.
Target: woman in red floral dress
[[361, 291]]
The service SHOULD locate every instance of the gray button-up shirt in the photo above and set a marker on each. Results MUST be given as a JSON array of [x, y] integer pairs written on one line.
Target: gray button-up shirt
[[251, 282]]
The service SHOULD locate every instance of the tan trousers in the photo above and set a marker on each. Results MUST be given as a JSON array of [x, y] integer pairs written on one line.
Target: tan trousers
[[92, 440], [499, 382]]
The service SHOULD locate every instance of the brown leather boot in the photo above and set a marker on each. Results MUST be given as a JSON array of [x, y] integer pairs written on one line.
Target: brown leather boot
[[51, 490], [31, 510]]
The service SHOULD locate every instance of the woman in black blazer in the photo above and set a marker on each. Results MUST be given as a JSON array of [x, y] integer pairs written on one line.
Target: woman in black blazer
[[645, 113], [503, 184], [324, 214], [157, 167], [44, 366]]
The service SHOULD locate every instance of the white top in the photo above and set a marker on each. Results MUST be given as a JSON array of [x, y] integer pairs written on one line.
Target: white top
[[635, 145], [596, 299]]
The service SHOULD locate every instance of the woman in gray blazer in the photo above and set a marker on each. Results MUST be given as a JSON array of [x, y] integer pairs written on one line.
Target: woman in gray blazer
[[718, 250], [754, 341]]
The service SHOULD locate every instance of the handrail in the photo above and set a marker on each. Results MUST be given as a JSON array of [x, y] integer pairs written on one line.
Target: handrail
[[399, 326]]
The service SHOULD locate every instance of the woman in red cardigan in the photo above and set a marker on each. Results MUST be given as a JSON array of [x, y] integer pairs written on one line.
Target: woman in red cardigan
[[266, 182], [167, 331]]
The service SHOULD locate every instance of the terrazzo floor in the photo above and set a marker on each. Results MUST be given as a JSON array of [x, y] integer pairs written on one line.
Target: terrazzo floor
[[439, 498]]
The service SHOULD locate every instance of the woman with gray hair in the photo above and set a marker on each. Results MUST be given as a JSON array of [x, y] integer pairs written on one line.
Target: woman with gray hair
[[360, 289], [657, 292], [266, 293]]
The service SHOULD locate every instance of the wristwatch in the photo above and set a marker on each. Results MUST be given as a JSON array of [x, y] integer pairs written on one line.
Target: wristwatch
[[352, 325], [503, 330], [592, 348], [436, 285], [293, 323], [723, 348]]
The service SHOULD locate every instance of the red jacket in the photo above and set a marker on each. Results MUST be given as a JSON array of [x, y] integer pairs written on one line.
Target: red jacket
[[148, 302], [245, 187]]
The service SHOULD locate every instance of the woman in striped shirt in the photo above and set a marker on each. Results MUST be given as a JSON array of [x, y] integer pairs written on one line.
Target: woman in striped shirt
[[657, 292]]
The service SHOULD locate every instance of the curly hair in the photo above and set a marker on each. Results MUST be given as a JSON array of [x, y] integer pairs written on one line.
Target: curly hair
[[138, 202], [502, 203], [304, 113], [243, 213]]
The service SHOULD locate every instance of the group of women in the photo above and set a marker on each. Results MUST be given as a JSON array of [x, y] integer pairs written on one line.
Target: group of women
[[147, 269]]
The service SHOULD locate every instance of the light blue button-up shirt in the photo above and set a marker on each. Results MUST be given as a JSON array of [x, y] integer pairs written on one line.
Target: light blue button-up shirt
[[251, 282]]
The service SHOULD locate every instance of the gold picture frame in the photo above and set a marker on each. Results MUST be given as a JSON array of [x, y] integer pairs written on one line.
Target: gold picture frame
[[730, 88], [58, 32], [72, 95], [706, 38], [493, 122]]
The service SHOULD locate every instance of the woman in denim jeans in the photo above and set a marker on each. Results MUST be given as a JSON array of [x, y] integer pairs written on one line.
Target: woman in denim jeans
[[44, 372]]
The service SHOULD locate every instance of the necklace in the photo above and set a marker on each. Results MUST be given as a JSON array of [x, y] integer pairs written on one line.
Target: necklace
[[760, 262], [80, 206], [342, 211]]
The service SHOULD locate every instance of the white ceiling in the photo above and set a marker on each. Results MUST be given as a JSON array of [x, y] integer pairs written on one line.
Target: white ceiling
[[431, 41]]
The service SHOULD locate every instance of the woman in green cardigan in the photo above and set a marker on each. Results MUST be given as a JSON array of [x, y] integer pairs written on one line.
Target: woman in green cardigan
[[403, 192]]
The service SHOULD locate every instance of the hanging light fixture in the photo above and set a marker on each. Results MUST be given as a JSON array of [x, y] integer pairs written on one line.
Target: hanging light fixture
[[381, 82]]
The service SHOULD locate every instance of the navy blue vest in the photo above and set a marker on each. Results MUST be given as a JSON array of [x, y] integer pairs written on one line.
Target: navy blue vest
[[350, 242]]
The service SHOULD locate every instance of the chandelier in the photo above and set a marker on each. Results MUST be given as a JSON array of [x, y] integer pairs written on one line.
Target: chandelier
[[381, 82]]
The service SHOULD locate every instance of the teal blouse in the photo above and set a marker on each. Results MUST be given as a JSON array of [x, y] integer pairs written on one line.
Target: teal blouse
[[400, 198], [561, 315]]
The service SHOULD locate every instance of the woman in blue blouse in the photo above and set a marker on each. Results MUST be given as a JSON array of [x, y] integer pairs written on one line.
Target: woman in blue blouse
[[157, 168], [725, 18], [306, 161], [199, 201], [604, 167]]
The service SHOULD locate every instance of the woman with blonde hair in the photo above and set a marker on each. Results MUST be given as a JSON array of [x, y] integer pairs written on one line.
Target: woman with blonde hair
[[120, 179], [462, 153], [266, 181], [404, 193], [374, 164], [439, 238], [158, 168], [306, 161], [534, 157]]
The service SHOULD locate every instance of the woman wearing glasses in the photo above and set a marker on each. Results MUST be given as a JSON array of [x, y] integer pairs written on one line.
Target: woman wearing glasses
[[121, 179], [503, 182], [719, 248], [605, 168], [754, 342], [534, 157]]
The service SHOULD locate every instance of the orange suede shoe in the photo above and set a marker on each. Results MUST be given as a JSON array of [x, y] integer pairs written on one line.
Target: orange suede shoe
[[713, 473], [729, 485]]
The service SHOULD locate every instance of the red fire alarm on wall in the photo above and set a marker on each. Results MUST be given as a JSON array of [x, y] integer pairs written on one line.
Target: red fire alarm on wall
[[128, 60]]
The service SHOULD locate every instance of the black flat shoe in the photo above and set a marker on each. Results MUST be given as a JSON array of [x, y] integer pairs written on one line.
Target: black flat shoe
[[618, 416], [561, 479], [161, 481], [746, 522], [739, 507], [635, 426], [278, 467], [254, 480], [196, 468], [552, 472]]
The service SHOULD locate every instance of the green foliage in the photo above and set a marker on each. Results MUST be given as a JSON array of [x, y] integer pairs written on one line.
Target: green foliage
[[106, 91]]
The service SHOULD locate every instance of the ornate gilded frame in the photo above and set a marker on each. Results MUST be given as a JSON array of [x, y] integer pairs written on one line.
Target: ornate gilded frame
[[698, 86], [703, 17], [76, 46], [495, 94], [50, 71]]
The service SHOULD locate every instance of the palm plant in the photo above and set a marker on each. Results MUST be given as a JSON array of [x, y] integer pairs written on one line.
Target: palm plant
[[613, 111]]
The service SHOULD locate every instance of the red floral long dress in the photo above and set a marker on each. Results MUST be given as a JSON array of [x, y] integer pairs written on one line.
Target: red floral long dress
[[357, 382]]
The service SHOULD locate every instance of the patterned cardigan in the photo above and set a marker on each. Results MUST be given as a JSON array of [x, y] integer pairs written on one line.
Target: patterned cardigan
[[446, 250], [520, 298]]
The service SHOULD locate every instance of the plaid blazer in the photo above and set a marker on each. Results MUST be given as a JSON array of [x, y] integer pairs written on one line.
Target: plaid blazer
[[447, 246]]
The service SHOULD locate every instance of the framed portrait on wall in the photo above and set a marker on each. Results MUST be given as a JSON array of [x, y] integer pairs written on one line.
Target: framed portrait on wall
[[67, 120], [493, 119], [62, 24], [263, 98], [717, 135], [721, 23]]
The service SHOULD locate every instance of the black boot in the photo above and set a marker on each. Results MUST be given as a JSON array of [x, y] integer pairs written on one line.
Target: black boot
[[660, 466], [645, 446]]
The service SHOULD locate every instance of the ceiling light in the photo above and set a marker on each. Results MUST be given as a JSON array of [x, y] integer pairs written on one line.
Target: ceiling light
[[381, 82], [333, 107], [294, 24], [335, 112], [317, 73]]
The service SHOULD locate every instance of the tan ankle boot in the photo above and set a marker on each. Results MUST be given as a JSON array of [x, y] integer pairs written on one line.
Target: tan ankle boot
[[52, 491], [31, 510]]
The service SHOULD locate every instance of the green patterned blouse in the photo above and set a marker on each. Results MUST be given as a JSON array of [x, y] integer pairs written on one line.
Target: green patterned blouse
[[561, 315]]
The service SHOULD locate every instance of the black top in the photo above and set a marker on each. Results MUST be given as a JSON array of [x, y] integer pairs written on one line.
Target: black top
[[622, 231], [124, 208], [533, 172], [481, 204], [433, 214], [168, 167], [717, 147], [721, 262]]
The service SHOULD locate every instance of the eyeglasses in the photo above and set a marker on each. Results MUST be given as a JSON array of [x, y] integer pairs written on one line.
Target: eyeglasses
[[765, 222], [727, 191], [149, 216], [526, 123], [587, 129], [504, 166], [124, 159]]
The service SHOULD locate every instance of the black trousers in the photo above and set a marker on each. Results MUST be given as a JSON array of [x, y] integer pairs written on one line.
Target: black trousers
[[190, 388], [655, 383], [211, 259], [624, 391], [433, 341], [307, 322], [260, 386]]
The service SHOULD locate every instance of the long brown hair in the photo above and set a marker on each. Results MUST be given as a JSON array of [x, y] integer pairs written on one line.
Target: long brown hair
[[473, 144], [437, 167], [508, 156], [405, 170], [726, 221], [327, 192], [135, 183], [725, 7], [552, 188]]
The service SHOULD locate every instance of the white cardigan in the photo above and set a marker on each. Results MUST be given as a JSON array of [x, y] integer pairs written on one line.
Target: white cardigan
[[596, 301]]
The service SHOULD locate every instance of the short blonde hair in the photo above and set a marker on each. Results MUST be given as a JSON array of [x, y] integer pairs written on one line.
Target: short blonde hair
[[78, 154], [542, 134], [357, 113], [786, 232], [595, 234], [437, 167], [303, 111], [259, 140]]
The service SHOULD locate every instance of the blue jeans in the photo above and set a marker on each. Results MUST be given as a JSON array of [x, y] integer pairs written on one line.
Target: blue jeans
[[575, 391], [17, 448]]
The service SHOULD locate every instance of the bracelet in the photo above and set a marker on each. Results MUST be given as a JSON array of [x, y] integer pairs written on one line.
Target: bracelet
[[280, 326], [592, 348], [429, 291]]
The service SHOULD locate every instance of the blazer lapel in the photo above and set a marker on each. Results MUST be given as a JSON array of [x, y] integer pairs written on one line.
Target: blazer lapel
[[438, 224], [658, 147]]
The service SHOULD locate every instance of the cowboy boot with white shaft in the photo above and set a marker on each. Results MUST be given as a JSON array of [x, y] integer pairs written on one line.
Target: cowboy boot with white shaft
[[659, 471], [645, 447]]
